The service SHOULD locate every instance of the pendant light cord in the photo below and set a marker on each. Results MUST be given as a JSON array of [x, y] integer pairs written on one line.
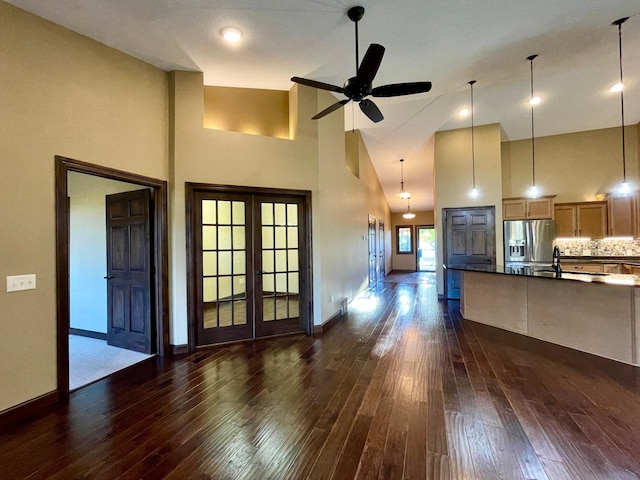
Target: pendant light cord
[[624, 156], [533, 145], [473, 144]]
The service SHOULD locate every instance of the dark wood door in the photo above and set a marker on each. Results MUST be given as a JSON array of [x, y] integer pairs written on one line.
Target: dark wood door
[[372, 252], [250, 255], [129, 271], [469, 238]]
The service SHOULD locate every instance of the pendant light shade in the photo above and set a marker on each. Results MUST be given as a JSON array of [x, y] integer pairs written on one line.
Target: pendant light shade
[[474, 191], [403, 194], [409, 214], [534, 191], [624, 188]]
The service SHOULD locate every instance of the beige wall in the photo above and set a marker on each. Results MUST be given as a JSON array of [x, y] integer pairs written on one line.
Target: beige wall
[[406, 261], [575, 166], [247, 110], [345, 202], [60, 94], [314, 160], [453, 179]]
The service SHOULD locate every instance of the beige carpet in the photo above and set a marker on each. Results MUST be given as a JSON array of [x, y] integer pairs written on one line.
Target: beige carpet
[[91, 359]]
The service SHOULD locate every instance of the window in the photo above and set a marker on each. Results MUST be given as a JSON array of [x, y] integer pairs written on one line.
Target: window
[[404, 240]]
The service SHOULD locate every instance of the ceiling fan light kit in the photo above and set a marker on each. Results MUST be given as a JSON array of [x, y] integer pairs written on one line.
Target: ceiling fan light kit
[[361, 86]]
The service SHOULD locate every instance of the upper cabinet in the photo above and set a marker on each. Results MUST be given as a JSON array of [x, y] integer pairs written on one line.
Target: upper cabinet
[[527, 208], [582, 219], [622, 216]]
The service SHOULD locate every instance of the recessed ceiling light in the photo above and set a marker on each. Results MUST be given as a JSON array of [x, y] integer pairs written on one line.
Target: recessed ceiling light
[[535, 101], [231, 34], [464, 112], [618, 87]]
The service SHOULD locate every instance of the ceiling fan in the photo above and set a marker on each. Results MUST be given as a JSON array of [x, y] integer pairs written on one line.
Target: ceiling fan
[[359, 87]]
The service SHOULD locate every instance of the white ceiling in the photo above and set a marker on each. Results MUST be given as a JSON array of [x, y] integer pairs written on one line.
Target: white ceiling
[[447, 42]]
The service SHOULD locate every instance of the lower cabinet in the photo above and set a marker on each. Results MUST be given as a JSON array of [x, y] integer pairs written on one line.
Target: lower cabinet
[[582, 267]]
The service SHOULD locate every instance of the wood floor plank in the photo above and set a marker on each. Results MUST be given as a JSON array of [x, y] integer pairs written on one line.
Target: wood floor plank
[[402, 387]]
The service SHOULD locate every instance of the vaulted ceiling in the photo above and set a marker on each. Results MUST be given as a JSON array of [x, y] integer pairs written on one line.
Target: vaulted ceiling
[[447, 42]]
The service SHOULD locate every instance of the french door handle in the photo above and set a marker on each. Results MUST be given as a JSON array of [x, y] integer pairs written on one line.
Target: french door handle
[[108, 277], [259, 272]]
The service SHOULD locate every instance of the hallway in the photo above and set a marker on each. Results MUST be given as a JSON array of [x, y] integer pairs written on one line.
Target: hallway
[[398, 389]]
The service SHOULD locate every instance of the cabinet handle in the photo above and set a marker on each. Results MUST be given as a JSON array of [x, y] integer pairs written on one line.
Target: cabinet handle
[[579, 267]]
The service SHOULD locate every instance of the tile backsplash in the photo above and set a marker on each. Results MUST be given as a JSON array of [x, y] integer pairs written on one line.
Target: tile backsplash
[[599, 248]]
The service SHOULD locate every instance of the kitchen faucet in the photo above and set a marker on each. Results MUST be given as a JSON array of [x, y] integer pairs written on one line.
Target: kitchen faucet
[[555, 265]]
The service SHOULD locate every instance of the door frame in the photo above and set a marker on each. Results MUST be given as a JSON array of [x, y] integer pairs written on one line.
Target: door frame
[[418, 227], [160, 258], [372, 229], [306, 274], [382, 260]]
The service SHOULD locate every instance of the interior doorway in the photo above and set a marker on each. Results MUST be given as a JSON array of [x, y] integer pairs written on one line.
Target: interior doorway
[[373, 249], [250, 258], [90, 251], [426, 259], [382, 268]]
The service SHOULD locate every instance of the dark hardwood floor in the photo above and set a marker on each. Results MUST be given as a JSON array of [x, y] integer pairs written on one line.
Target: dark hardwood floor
[[398, 389]]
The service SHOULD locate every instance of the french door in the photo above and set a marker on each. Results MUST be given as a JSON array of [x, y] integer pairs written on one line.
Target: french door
[[249, 263]]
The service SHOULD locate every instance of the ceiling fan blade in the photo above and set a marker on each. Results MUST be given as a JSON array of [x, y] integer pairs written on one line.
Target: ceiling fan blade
[[371, 110], [330, 109], [315, 84], [370, 63], [398, 89]]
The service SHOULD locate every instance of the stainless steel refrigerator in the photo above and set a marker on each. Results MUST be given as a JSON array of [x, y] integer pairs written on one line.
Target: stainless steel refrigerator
[[528, 241]]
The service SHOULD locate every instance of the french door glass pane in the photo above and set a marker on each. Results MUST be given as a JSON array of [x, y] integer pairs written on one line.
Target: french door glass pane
[[209, 211], [280, 289], [292, 214], [224, 263]]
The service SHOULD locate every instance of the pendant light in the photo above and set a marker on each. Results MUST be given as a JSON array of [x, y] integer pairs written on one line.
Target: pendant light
[[624, 188], [403, 194], [474, 191], [534, 191], [409, 215]]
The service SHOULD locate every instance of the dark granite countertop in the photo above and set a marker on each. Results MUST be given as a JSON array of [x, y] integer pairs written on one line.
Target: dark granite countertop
[[545, 271], [595, 259]]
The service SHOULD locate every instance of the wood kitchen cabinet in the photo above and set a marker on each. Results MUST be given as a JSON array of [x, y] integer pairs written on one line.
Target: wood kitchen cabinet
[[622, 216], [583, 219], [527, 208], [582, 267]]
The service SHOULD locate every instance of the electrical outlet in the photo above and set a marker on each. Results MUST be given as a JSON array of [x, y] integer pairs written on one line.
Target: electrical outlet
[[17, 283]]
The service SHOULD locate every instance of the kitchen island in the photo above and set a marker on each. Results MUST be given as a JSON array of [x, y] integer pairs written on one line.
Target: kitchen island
[[593, 313]]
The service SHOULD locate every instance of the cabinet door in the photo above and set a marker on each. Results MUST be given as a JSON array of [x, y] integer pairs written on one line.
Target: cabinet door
[[514, 209], [566, 223], [539, 208], [612, 268], [592, 219], [621, 216]]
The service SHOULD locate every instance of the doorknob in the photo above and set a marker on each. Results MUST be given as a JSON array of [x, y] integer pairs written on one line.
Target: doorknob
[[108, 277]]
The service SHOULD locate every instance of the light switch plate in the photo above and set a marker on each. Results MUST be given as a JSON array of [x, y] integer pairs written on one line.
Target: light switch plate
[[16, 283]]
